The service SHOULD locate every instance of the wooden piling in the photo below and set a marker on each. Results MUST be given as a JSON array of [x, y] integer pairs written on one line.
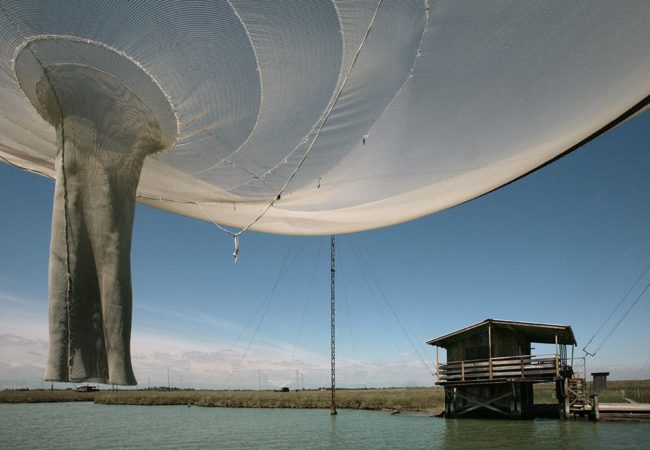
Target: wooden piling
[[490, 348], [437, 367], [557, 358], [595, 409]]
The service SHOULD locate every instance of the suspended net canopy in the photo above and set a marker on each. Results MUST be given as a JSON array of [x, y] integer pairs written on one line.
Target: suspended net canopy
[[359, 114], [289, 117]]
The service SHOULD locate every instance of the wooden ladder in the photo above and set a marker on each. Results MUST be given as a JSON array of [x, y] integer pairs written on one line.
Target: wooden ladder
[[577, 394]]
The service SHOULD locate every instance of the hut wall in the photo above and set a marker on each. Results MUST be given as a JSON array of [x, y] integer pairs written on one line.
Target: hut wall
[[473, 346], [476, 345], [509, 343], [599, 383]]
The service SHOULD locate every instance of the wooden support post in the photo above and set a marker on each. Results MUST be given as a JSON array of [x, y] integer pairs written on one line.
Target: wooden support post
[[452, 403], [595, 411], [437, 367], [446, 402], [557, 358], [515, 404], [474, 402], [566, 405], [490, 348], [462, 370]]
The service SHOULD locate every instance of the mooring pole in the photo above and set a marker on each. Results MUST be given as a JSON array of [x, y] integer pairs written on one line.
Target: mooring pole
[[332, 324]]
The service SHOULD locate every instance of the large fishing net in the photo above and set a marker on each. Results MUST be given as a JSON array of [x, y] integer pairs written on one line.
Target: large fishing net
[[289, 117]]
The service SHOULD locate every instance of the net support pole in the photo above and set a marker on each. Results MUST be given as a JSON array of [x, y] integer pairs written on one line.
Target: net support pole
[[333, 323]]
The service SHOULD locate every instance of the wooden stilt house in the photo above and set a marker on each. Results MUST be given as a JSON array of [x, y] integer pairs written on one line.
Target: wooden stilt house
[[490, 369]]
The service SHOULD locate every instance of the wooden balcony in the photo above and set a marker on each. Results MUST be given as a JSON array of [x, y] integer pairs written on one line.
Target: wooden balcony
[[526, 368]]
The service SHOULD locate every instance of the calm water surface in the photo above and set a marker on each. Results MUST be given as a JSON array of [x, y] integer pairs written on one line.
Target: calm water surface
[[86, 425]]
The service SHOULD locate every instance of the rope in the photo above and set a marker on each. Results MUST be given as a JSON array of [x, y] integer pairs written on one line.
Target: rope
[[359, 256], [611, 314], [395, 315], [267, 303], [345, 298], [273, 320], [304, 311], [259, 307], [636, 377], [236, 234], [322, 123], [621, 319]]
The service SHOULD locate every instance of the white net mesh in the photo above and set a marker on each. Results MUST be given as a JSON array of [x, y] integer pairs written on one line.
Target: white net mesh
[[452, 99]]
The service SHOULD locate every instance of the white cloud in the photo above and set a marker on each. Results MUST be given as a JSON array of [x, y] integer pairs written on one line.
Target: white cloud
[[210, 362], [23, 316], [184, 316]]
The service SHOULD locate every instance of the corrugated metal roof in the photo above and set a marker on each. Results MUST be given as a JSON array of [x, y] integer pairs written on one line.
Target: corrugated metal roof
[[537, 332]]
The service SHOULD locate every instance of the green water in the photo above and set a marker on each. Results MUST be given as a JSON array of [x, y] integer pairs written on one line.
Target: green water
[[86, 425]]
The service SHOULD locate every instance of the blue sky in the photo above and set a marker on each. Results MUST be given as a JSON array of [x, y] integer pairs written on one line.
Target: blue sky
[[562, 245]]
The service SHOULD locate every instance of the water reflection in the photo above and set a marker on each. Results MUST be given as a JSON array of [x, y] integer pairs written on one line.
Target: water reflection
[[511, 434]]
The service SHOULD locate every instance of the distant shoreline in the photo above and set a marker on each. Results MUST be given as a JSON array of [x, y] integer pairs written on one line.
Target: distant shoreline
[[429, 400], [394, 400]]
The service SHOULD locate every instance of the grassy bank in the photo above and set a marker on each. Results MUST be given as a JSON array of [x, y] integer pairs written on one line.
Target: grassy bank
[[45, 396], [416, 399], [616, 392], [430, 400]]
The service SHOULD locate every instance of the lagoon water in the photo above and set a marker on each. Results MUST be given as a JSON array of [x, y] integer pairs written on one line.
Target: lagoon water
[[87, 425]]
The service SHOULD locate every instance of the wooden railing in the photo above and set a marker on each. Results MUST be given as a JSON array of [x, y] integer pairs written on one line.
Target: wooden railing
[[544, 367]]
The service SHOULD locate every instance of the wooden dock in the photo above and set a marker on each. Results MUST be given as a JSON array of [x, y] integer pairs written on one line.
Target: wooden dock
[[616, 412], [628, 412]]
